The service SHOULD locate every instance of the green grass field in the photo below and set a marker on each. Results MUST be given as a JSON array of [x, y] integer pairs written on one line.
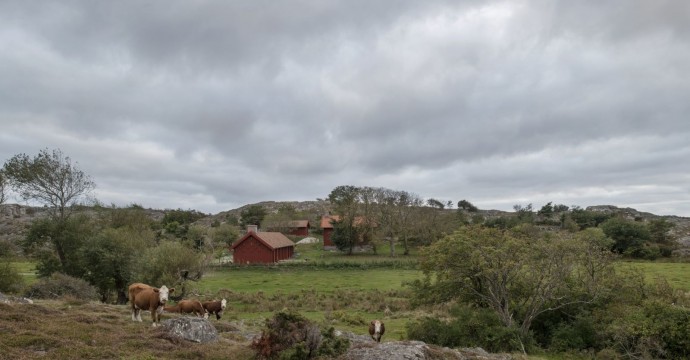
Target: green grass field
[[676, 273], [294, 279]]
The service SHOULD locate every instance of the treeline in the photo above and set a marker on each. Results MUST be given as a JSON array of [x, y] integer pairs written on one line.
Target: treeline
[[634, 238], [372, 215]]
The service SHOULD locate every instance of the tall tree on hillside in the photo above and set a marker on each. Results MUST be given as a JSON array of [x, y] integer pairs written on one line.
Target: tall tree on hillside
[[3, 194], [52, 179], [252, 215], [345, 202], [406, 209], [49, 178], [385, 215]]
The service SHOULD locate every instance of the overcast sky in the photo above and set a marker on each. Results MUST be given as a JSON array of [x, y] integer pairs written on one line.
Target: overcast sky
[[211, 105]]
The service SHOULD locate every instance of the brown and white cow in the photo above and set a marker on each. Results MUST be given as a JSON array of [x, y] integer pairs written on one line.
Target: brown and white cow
[[215, 307], [146, 297], [376, 330], [188, 307]]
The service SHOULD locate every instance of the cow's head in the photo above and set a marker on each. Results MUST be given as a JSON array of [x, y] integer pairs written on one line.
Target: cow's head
[[223, 304], [163, 293]]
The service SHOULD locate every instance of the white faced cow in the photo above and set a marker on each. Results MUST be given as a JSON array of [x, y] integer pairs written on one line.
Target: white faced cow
[[145, 297], [376, 330], [215, 307]]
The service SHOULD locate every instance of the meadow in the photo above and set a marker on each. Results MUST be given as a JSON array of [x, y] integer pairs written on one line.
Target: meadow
[[331, 289]]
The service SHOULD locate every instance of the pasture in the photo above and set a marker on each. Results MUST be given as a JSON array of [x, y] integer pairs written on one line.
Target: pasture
[[344, 298]]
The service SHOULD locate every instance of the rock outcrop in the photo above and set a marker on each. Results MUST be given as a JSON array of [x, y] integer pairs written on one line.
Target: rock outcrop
[[363, 347], [190, 328]]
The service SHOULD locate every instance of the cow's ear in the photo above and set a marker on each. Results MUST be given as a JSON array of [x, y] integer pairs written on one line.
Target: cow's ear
[[172, 290], [156, 290]]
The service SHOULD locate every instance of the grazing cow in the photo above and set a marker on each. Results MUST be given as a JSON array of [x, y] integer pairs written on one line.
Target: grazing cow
[[376, 330], [215, 307], [145, 297], [187, 307]]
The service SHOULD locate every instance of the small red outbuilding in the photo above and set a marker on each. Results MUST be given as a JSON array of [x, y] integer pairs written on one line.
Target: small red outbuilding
[[258, 247]]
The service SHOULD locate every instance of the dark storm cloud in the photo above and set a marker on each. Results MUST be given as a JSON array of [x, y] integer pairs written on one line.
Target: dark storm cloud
[[215, 104]]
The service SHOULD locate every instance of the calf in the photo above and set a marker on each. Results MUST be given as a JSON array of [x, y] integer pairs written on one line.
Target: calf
[[187, 307], [215, 307], [376, 330], [145, 297]]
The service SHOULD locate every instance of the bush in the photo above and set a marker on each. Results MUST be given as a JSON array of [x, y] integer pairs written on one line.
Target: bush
[[290, 336], [655, 329], [470, 327], [59, 286], [10, 281]]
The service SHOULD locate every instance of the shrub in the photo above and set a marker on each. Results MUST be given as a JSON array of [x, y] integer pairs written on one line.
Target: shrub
[[60, 285], [290, 336], [469, 327], [10, 281]]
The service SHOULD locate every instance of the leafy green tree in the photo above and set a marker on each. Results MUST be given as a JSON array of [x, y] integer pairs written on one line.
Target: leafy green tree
[[345, 202], [467, 206], [3, 186], [586, 218], [225, 235], [659, 233], [11, 280], [345, 236], [546, 210], [524, 213], [252, 215], [171, 264], [49, 237], [628, 236], [519, 273], [111, 257], [49, 178]]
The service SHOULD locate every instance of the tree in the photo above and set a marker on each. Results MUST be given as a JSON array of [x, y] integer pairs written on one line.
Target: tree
[[628, 236], [467, 206], [49, 237], [3, 194], [519, 273], [111, 257], [344, 199], [252, 215], [170, 263], [49, 178]]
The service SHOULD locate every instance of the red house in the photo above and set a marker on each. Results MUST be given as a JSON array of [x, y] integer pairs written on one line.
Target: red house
[[292, 227], [258, 247], [327, 227], [299, 227]]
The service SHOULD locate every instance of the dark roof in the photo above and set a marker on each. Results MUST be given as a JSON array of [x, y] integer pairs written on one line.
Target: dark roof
[[298, 223], [326, 221], [273, 240]]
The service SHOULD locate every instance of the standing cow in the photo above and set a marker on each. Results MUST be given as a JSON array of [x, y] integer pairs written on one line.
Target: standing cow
[[376, 330], [145, 297], [215, 307]]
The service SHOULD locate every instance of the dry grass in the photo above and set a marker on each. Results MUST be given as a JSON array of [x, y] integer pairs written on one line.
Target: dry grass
[[67, 330]]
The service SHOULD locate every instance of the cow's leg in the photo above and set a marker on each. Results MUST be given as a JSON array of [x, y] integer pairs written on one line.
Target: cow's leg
[[138, 315]]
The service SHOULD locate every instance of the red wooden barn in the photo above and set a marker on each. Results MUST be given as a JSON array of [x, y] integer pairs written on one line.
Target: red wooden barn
[[259, 247], [299, 227], [327, 227]]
